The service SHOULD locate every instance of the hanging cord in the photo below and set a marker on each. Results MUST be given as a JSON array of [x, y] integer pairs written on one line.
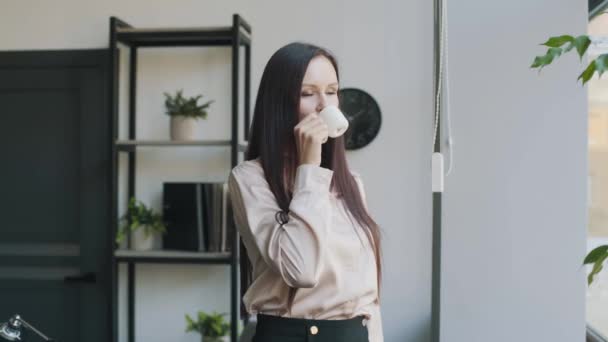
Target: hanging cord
[[442, 58]]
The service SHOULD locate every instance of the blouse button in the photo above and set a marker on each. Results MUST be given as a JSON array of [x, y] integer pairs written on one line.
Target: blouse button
[[314, 330]]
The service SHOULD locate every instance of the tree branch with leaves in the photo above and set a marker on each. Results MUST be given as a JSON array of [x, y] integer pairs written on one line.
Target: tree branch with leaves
[[557, 46]]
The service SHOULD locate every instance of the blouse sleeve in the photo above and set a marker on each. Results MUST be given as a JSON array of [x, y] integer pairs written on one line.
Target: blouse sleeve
[[295, 249]]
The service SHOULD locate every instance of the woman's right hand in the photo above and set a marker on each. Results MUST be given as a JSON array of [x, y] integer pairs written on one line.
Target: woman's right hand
[[310, 133]]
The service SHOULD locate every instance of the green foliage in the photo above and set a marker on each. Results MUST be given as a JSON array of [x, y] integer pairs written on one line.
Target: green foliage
[[139, 216], [210, 325], [581, 43], [600, 254], [185, 106], [596, 257]]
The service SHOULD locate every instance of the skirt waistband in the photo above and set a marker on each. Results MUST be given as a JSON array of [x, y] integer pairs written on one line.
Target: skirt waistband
[[302, 326]]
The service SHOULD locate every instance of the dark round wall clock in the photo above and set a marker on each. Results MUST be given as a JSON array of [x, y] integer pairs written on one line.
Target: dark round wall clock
[[364, 117]]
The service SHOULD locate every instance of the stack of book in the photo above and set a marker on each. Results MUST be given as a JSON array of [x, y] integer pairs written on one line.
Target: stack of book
[[198, 217]]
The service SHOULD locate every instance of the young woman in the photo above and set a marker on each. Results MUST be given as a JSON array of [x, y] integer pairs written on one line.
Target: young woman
[[310, 252]]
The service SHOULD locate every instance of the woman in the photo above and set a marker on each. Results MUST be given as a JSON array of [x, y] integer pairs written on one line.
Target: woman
[[310, 253]]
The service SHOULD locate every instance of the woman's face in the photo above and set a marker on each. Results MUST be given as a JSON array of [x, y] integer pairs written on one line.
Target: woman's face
[[319, 87]]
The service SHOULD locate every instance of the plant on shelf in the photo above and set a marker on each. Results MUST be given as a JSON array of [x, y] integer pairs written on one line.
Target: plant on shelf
[[557, 45], [142, 223], [211, 326], [184, 111]]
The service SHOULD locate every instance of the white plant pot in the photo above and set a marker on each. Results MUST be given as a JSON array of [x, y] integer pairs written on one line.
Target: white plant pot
[[183, 128], [140, 242], [216, 339]]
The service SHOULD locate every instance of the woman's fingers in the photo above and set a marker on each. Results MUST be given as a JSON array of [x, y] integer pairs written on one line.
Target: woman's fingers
[[309, 120], [320, 132], [310, 133], [312, 126]]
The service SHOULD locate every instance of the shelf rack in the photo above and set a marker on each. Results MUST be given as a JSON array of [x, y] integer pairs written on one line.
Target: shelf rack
[[235, 36]]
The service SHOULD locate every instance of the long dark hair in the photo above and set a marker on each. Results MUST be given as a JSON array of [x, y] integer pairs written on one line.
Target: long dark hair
[[271, 138]]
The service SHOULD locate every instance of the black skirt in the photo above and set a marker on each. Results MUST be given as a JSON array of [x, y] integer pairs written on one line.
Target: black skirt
[[288, 329]]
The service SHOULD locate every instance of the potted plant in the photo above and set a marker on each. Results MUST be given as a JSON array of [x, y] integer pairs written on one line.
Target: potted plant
[[142, 223], [211, 326], [184, 111], [558, 45]]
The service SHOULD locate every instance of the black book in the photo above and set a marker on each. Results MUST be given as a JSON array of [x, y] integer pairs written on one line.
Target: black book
[[229, 226], [216, 223], [196, 216], [182, 212], [203, 217], [208, 215], [225, 218]]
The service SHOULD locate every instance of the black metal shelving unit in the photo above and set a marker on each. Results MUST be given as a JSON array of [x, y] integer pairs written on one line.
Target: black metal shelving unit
[[236, 36]]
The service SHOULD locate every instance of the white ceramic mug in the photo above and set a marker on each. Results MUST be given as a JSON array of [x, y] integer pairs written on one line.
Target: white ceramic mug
[[335, 120]]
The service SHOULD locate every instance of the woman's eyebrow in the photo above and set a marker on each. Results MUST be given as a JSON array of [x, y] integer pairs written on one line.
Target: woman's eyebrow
[[313, 85]]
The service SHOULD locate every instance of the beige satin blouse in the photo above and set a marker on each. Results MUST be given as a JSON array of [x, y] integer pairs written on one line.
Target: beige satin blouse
[[319, 249]]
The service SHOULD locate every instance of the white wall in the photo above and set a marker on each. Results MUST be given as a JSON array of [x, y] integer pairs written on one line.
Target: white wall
[[384, 47], [514, 221], [515, 210]]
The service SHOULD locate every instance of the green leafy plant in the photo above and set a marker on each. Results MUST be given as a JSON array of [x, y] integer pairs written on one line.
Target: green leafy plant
[[208, 325], [596, 257], [556, 48], [558, 45], [139, 216], [185, 106]]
